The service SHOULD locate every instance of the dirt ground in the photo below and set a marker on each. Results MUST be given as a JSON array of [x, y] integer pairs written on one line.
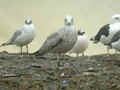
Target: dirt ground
[[99, 72]]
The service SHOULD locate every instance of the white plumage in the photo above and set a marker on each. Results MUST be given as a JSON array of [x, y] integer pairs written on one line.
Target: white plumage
[[26, 36], [81, 44], [60, 41], [106, 33], [113, 28], [22, 36], [115, 42]]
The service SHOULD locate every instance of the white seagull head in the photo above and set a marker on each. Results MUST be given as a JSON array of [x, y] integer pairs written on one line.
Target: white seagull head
[[28, 21], [68, 20], [116, 18]]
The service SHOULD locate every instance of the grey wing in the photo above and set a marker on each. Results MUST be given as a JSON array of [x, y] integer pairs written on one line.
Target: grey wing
[[116, 37], [15, 35], [51, 42]]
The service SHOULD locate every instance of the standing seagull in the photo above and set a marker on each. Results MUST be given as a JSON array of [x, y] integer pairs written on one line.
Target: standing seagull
[[61, 41], [106, 33], [81, 45], [23, 36]]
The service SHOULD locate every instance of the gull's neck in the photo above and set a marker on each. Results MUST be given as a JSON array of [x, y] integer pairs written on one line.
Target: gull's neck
[[114, 22], [29, 25], [69, 25]]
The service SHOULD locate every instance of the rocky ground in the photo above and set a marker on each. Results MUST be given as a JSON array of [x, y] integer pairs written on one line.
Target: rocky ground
[[99, 72]]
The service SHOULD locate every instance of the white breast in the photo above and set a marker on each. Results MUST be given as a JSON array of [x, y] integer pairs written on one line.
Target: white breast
[[28, 34], [81, 45], [112, 31]]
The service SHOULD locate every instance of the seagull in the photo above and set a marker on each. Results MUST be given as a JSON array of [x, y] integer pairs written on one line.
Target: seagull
[[115, 42], [106, 32], [23, 36], [81, 45], [60, 41]]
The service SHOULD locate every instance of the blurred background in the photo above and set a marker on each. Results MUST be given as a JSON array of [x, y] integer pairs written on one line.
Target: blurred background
[[48, 16]]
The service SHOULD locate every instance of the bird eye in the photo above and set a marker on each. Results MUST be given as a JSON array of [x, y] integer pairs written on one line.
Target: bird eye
[[28, 21]]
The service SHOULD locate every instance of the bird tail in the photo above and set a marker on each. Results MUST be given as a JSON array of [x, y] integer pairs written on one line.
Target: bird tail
[[4, 44], [35, 53], [92, 39], [38, 53]]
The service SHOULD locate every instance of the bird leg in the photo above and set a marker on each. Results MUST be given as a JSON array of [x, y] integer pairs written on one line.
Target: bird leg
[[83, 54], [108, 50], [27, 49], [21, 51], [77, 54], [58, 60]]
